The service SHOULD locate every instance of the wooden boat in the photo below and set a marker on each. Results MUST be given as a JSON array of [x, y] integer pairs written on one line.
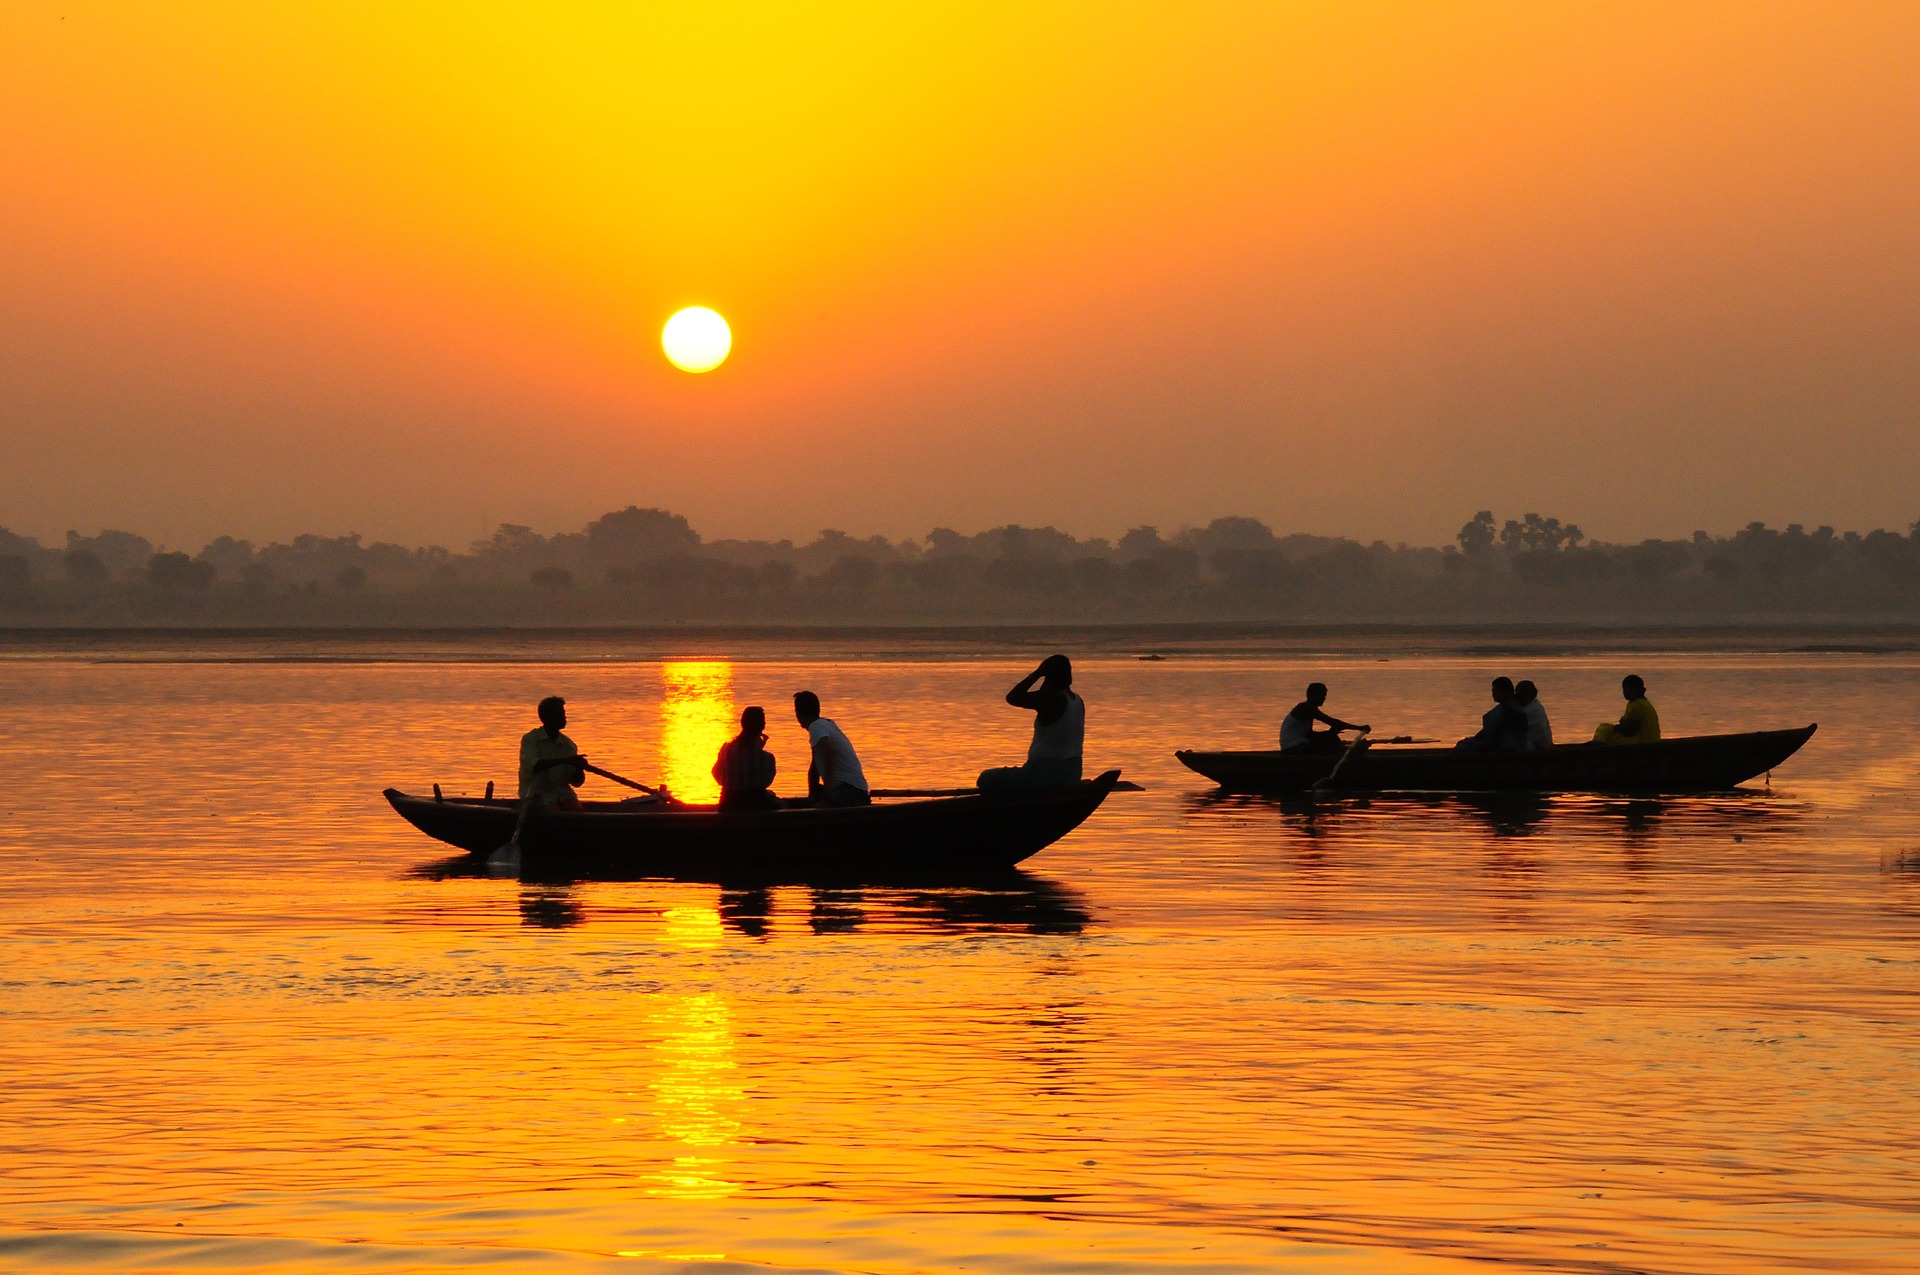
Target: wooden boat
[[945, 835], [1695, 763]]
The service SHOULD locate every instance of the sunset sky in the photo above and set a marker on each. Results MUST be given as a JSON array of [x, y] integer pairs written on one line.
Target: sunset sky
[[1352, 269]]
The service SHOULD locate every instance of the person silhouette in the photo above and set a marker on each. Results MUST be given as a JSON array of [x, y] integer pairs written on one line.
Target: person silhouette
[[1539, 730], [1297, 734], [1054, 758], [745, 769], [1639, 724], [550, 764], [1503, 728], [833, 770]]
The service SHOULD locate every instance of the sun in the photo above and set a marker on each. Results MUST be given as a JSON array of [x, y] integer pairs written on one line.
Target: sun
[[696, 339]]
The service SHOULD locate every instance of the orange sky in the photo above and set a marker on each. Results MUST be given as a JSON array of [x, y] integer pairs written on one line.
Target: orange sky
[[400, 269]]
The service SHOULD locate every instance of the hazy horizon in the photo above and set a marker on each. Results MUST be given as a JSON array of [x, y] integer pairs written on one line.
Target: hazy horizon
[[1354, 271]]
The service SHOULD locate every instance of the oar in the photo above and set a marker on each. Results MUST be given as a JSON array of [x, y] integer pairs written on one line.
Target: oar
[[508, 855], [1124, 785], [1359, 742], [621, 779]]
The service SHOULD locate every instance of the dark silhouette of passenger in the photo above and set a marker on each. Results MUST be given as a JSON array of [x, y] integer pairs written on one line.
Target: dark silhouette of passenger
[[1059, 732], [744, 769], [833, 769], [1539, 730], [1640, 724], [1504, 727], [550, 765], [1297, 734]]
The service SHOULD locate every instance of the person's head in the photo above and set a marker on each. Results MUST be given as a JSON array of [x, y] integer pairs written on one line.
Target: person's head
[[1631, 687], [753, 721], [806, 707], [553, 713], [1525, 692], [1316, 693], [1503, 690], [1058, 670]]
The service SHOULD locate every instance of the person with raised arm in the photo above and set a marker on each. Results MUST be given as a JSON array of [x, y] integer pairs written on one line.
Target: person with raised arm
[[1059, 732]]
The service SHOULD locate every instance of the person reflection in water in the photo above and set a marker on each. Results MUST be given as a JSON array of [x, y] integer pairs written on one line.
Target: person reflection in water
[[1059, 732], [1639, 724], [1503, 728], [1297, 734], [744, 770], [834, 776], [550, 765]]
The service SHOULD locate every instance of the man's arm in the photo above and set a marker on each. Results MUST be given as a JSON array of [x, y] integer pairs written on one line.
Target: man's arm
[[1320, 715], [816, 776], [1022, 696]]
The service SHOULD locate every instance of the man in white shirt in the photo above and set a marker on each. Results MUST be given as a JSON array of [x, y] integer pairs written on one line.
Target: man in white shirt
[[1539, 732], [833, 773]]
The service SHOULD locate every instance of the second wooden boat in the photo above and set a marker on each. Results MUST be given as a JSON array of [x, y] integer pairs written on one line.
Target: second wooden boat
[[1694, 763]]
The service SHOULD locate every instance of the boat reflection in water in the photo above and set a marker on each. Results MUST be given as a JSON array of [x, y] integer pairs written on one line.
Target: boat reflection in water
[[1011, 902], [1509, 814]]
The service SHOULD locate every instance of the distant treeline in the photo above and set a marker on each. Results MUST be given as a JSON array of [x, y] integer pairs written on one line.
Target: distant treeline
[[648, 565]]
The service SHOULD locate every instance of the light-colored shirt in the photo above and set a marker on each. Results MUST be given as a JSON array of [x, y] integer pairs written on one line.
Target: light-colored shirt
[[834, 757], [1295, 731], [1539, 732], [550, 784], [1065, 738]]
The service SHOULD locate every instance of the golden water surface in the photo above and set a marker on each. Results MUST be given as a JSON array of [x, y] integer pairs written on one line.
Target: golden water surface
[[253, 1021]]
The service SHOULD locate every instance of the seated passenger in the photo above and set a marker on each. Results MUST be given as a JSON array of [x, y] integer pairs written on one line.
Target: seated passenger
[[833, 771], [744, 770], [1639, 724], [1504, 727], [1059, 732], [1539, 730], [550, 766], [1297, 734]]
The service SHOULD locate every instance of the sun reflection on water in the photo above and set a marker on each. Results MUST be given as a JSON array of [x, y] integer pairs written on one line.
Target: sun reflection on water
[[696, 1095], [696, 717]]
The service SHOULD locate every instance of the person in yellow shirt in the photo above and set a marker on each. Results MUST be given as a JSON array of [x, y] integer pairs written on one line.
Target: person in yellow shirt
[[1640, 724]]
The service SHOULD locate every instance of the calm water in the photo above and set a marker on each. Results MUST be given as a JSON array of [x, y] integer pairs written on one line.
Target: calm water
[[251, 1022]]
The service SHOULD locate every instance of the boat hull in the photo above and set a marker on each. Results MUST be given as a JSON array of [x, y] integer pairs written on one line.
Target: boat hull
[[1698, 763], [907, 838]]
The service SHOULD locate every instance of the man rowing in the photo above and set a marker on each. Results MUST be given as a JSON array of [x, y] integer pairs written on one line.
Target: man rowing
[[550, 766], [1059, 732], [1639, 724], [1297, 734], [834, 776]]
